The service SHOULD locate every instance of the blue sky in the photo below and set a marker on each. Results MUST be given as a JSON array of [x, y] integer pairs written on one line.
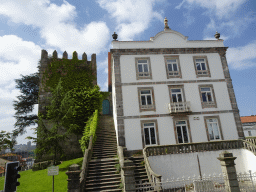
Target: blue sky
[[28, 26]]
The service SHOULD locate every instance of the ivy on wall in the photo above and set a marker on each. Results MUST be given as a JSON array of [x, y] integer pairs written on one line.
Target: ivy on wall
[[73, 72]]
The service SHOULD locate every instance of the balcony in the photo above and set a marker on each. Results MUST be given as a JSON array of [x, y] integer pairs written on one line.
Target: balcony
[[180, 107]]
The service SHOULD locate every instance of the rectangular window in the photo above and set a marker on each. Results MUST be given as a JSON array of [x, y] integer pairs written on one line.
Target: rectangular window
[[182, 132], [146, 99], [176, 95], [249, 133], [172, 66], [201, 66], [213, 129], [143, 68], [207, 96], [149, 132]]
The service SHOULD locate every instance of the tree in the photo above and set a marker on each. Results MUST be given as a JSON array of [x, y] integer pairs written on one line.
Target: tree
[[6, 140], [80, 104], [49, 139], [29, 87]]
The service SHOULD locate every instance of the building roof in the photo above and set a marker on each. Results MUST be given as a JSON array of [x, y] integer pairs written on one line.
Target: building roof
[[248, 119]]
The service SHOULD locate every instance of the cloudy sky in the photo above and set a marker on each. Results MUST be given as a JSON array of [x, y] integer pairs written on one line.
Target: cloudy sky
[[28, 26]]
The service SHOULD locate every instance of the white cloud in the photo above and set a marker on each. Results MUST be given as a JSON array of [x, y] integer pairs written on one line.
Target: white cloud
[[232, 27], [56, 27], [133, 17], [222, 8], [17, 57], [242, 57]]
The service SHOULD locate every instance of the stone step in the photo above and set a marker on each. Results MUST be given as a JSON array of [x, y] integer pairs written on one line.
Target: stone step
[[103, 183], [104, 152], [109, 190], [103, 163], [101, 169], [102, 157], [94, 177], [103, 188], [140, 172], [104, 148], [92, 173]]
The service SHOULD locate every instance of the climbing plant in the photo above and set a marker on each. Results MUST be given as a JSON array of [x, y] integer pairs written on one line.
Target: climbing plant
[[73, 72]]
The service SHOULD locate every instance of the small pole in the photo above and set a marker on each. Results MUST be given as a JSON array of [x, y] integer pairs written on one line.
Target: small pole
[[53, 183], [251, 179], [199, 167]]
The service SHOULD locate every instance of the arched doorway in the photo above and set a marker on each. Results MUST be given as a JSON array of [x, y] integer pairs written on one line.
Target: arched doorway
[[105, 107]]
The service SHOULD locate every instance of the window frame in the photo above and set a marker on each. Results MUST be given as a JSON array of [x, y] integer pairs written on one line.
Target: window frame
[[137, 68], [219, 126], [142, 122], [182, 118], [169, 57], [207, 104], [207, 66], [170, 87], [153, 107]]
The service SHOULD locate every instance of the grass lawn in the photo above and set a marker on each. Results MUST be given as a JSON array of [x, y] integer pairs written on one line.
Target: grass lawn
[[40, 181]]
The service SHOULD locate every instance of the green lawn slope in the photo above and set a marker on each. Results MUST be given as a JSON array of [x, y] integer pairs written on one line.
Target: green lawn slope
[[40, 181]]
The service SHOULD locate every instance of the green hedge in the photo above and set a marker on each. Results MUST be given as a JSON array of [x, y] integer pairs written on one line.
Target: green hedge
[[90, 129]]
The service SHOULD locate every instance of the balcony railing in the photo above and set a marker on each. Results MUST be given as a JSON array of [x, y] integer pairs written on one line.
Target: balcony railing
[[179, 107]]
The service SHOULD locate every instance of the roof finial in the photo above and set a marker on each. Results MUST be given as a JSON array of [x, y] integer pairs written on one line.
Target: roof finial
[[166, 24], [217, 35]]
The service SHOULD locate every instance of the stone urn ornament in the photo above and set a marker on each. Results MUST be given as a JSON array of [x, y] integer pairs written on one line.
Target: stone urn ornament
[[114, 36], [217, 35]]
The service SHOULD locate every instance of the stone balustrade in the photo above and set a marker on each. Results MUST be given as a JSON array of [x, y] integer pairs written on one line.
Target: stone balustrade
[[251, 140], [193, 147], [179, 107], [153, 178], [87, 158]]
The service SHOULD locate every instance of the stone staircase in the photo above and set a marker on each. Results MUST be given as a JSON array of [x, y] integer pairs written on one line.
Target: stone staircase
[[102, 174], [140, 173]]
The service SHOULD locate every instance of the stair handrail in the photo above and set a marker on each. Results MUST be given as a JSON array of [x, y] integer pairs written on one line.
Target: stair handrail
[[153, 178], [86, 160]]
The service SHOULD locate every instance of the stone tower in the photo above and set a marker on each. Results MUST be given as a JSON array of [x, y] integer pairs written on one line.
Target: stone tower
[[72, 148]]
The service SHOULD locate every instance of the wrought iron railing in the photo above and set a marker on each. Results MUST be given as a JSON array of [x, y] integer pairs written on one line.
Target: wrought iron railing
[[210, 183], [179, 107]]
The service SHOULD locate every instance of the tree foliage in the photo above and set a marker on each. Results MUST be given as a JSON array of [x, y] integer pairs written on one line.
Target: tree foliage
[[29, 87], [6, 140], [80, 104], [49, 139]]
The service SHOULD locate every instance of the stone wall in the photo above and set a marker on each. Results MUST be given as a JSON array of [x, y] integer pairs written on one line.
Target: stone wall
[[72, 147]]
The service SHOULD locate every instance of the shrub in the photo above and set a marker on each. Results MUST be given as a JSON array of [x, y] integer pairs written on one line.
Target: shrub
[[90, 129]]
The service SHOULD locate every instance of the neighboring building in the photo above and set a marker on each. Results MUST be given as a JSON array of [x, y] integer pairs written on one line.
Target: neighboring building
[[170, 90], [29, 162], [249, 125], [11, 157]]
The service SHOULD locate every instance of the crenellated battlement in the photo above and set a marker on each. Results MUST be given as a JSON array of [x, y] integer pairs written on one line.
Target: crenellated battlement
[[46, 59]]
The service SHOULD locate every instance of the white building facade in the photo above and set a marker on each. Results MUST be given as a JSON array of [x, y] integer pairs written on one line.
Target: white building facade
[[170, 90]]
